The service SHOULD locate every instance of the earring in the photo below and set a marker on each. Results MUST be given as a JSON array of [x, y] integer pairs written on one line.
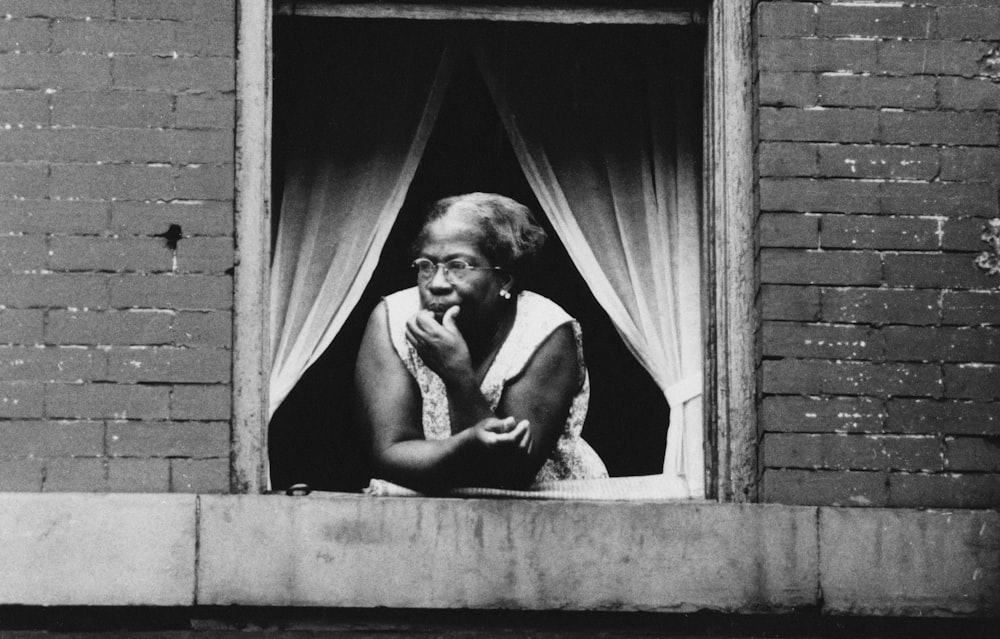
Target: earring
[[504, 293]]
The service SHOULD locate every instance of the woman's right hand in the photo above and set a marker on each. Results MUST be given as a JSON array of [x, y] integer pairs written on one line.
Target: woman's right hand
[[494, 432]]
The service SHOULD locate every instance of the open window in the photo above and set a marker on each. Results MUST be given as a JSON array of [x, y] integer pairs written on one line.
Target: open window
[[477, 122]]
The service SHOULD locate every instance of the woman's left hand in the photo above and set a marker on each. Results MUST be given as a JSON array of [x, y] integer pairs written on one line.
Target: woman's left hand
[[440, 345]]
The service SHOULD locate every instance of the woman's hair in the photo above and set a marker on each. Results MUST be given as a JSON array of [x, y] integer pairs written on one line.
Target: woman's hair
[[510, 236]]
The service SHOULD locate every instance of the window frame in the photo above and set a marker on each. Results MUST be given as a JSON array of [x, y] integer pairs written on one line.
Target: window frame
[[729, 212]]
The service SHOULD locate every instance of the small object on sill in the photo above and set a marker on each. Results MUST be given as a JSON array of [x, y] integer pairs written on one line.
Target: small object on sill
[[298, 490]]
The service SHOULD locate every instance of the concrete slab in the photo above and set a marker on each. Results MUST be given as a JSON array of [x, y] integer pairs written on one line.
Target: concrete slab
[[357, 551], [907, 562], [65, 549]]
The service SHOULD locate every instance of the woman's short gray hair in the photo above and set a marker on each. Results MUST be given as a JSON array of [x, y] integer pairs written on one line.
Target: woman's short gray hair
[[511, 238]]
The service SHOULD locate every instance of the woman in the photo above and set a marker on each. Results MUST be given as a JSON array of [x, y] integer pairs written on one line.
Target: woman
[[467, 380]]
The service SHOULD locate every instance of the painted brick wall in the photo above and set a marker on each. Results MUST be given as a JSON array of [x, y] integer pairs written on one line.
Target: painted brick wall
[[879, 169], [116, 122]]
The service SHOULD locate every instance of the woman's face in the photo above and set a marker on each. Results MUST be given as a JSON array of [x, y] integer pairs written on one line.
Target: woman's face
[[456, 237]]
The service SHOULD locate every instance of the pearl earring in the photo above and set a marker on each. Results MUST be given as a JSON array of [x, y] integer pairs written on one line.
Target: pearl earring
[[504, 293]]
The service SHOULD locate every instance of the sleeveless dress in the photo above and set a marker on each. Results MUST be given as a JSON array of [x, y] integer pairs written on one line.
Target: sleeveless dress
[[537, 317]]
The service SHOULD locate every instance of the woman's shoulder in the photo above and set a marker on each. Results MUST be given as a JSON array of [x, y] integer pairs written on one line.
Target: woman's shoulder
[[540, 313]]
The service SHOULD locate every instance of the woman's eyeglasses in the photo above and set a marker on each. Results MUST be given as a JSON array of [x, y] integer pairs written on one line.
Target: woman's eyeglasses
[[454, 270]]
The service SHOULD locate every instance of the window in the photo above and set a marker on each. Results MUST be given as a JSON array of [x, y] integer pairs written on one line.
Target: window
[[248, 427]]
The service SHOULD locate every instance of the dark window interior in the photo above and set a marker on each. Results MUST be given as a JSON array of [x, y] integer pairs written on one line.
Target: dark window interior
[[313, 437]]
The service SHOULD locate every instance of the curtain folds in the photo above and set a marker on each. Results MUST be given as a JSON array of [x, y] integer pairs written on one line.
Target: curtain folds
[[610, 149], [343, 190]]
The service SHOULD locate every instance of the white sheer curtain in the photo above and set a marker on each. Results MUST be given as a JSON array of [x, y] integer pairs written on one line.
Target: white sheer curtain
[[343, 189], [609, 144]]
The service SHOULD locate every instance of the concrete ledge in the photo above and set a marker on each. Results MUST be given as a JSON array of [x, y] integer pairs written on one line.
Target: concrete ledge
[[69, 549], [906, 562], [450, 553]]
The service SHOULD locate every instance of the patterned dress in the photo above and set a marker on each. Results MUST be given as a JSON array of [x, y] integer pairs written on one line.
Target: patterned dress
[[537, 317]]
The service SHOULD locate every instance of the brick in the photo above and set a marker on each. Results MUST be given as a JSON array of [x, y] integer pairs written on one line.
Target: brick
[[804, 195], [856, 161], [928, 57], [790, 54], [58, 8], [884, 22], [24, 107], [788, 89], [969, 93], [935, 271], [139, 475], [24, 181], [973, 453], [822, 414], [786, 266], [21, 475], [943, 491], [109, 181], [20, 253], [42, 71], [784, 159], [939, 128], [207, 38], [168, 439], [968, 307], [182, 10], [112, 108], [970, 164], [109, 327], [968, 23], [928, 343], [877, 92], [963, 234], [174, 74], [789, 230], [116, 145], [852, 452], [21, 399], [790, 302], [206, 182], [797, 376], [199, 475], [820, 341], [52, 439], [203, 329], [168, 364], [53, 216], [944, 417], [825, 125], [972, 381], [25, 35], [113, 401], [212, 111], [54, 289], [200, 402], [865, 232], [75, 475], [21, 326], [29, 363], [786, 19], [114, 254], [879, 306], [951, 200], [824, 488], [205, 255], [194, 218], [120, 36], [181, 292]]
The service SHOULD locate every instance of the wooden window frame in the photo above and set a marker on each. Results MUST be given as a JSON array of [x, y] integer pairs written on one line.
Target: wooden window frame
[[729, 206]]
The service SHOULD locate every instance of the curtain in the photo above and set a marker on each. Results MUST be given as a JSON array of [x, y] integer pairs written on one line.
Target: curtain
[[609, 140], [363, 119]]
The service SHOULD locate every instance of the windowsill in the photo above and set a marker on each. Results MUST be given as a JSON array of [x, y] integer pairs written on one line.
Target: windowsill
[[356, 551]]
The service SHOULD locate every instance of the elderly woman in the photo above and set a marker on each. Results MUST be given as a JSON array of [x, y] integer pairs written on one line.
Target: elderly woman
[[466, 379]]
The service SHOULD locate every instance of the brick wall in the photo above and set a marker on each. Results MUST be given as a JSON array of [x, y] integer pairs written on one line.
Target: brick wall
[[116, 123], [879, 166]]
